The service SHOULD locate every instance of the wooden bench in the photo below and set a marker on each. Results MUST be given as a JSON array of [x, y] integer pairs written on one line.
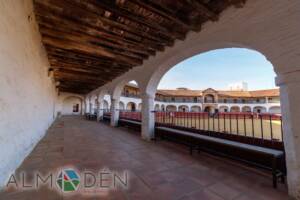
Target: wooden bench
[[262, 157], [106, 118], [131, 123], [90, 116]]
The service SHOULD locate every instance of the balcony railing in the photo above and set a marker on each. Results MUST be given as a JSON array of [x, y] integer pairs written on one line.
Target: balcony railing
[[253, 128], [131, 115], [130, 95], [241, 102], [209, 101], [178, 101]]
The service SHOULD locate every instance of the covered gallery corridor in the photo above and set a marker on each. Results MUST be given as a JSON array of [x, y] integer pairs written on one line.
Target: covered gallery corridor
[[160, 170], [61, 60]]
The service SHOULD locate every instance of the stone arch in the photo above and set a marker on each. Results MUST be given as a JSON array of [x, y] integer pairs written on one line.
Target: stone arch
[[192, 50], [139, 106], [157, 107], [163, 108], [209, 109], [235, 109], [275, 110], [259, 109], [209, 98], [183, 108], [246, 109], [131, 106], [105, 105], [223, 109], [72, 105], [121, 105], [171, 108], [229, 31], [104, 99], [195, 109], [118, 88]]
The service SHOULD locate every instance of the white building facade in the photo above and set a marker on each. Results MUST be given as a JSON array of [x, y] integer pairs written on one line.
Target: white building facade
[[261, 101]]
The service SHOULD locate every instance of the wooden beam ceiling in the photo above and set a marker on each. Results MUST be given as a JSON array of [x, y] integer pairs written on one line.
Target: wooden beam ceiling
[[91, 42]]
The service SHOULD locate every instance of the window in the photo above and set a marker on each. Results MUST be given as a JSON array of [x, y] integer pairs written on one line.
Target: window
[[195, 99], [209, 98], [76, 108], [234, 100], [257, 100], [225, 100], [173, 99], [243, 101]]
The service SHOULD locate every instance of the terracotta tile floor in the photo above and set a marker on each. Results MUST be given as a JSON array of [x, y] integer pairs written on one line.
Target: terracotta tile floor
[[156, 170]]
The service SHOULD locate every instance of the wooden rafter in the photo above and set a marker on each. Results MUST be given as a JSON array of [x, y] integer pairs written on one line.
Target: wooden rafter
[[91, 42]]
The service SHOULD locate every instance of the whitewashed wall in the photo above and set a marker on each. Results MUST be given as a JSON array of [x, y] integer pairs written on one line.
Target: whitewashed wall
[[65, 101], [27, 94]]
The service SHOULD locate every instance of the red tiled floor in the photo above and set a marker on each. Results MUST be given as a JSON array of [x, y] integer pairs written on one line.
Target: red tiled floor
[[156, 170]]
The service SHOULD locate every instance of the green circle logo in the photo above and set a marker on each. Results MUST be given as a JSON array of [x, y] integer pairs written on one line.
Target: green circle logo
[[68, 180]]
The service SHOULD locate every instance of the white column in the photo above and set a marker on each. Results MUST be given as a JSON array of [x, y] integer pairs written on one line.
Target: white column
[[290, 98], [86, 105], [114, 112], [148, 122], [100, 110], [90, 105]]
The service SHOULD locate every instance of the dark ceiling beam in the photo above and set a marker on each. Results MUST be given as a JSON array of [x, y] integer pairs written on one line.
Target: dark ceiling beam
[[60, 28], [91, 42], [203, 9], [68, 44], [112, 7], [60, 24], [58, 16], [78, 77], [85, 68], [95, 16], [89, 59], [163, 12]]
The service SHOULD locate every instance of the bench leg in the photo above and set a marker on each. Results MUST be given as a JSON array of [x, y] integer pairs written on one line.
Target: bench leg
[[274, 170], [282, 179]]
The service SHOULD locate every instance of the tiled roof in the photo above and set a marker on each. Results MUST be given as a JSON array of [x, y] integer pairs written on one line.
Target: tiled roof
[[197, 93], [263, 93], [192, 93], [183, 93]]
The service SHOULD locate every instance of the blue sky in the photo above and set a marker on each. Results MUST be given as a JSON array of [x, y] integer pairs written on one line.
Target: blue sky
[[219, 68]]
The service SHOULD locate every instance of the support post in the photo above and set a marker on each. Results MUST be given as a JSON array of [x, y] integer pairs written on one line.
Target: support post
[[86, 102], [100, 110], [289, 99], [90, 105], [114, 112], [148, 121]]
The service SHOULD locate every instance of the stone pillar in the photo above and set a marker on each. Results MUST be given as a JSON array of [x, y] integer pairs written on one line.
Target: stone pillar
[[114, 112], [86, 105], [290, 106], [148, 121], [90, 105], [267, 100], [100, 110]]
